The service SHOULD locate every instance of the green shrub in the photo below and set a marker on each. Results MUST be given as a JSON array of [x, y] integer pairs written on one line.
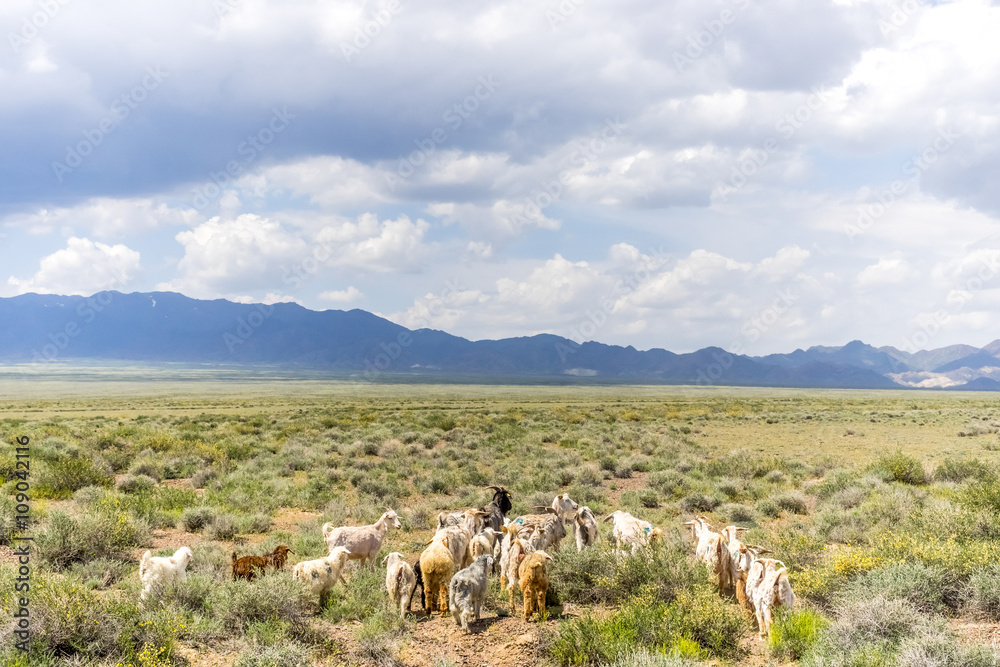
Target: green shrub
[[61, 478], [699, 616], [981, 596], [100, 573], [136, 484], [793, 501], [149, 468], [600, 576], [222, 527], [699, 502], [194, 519], [103, 532], [769, 508], [670, 483], [959, 470], [736, 513], [931, 589], [272, 597], [900, 467], [794, 633], [944, 650]]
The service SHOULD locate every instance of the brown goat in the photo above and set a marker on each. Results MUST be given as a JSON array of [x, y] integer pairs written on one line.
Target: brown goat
[[247, 566], [279, 556]]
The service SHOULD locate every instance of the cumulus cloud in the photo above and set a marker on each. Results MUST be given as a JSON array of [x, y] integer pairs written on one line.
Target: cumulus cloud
[[83, 267]]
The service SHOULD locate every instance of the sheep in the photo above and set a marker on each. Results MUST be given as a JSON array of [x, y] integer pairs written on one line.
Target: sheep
[[418, 576], [363, 542], [247, 566], [400, 581], [534, 581], [632, 532], [467, 591], [498, 508], [322, 574], [162, 570], [768, 587], [564, 508], [437, 566], [585, 528]]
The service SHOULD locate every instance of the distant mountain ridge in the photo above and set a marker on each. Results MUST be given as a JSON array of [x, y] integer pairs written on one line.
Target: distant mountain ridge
[[170, 327]]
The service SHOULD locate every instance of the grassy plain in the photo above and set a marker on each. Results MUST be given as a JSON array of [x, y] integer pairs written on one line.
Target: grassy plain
[[866, 496]]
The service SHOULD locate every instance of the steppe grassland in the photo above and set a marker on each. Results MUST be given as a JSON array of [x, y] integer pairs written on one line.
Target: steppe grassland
[[848, 488]]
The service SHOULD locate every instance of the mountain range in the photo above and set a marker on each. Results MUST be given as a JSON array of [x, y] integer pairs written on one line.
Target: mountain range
[[169, 327]]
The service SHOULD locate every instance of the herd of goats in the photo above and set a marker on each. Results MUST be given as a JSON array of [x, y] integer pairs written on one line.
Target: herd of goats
[[469, 545]]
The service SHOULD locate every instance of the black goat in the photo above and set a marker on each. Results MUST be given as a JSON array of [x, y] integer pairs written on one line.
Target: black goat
[[498, 507]]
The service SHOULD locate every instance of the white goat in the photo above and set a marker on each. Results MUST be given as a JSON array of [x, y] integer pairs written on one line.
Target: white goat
[[632, 532], [363, 542], [710, 547], [162, 570], [472, 520], [585, 528], [400, 581], [322, 574], [564, 507], [483, 543], [768, 587]]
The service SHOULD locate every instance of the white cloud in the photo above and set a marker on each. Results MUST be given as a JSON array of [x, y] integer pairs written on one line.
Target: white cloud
[[83, 267], [892, 270], [105, 217], [350, 295]]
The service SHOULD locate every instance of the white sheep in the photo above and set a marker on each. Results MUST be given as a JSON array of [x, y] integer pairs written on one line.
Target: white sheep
[[162, 570], [400, 581], [468, 590], [322, 574], [363, 542]]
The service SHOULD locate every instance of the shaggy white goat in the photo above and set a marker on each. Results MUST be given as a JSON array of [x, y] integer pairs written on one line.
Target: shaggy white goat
[[400, 581], [322, 574], [162, 570]]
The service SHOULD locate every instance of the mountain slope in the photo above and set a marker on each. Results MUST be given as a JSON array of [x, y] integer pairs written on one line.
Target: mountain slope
[[169, 327]]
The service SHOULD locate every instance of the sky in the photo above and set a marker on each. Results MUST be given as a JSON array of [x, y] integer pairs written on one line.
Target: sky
[[760, 175]]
